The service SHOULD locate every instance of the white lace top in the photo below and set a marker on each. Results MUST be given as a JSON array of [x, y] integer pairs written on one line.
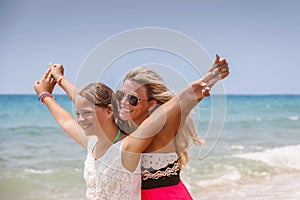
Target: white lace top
[[107, 179]]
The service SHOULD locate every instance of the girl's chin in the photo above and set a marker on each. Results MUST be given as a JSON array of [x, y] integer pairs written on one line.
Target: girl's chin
[[89, 134]]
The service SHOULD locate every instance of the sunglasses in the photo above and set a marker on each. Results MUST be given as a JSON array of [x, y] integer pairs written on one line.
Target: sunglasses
[[132, 99]]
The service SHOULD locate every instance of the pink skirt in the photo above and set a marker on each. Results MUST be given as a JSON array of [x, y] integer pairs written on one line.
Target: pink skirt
[[175, 192]]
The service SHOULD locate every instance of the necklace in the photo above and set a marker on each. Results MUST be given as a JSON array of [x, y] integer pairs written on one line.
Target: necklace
[[117, 136], [115, 140]]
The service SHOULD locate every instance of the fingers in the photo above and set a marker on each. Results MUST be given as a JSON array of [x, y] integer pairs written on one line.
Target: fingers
[[49, 75], [223, 67], [56, 65], [36, 83], [37, 87], [224, 70], [45, 76], [204, 89], [218, 71], [203, 84], [206, 92], [225, 74], [222, 61], [46, 84], [57, 70], [217, 60]]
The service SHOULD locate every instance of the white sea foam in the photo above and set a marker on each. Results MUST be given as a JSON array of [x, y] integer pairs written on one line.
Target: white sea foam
[[236, 147], [294, 118], [35, 171], [281, 187], [286, 157], [228, 178], [258, 119]]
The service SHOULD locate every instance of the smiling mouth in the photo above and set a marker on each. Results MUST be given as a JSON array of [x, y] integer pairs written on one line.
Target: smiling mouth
[[85, 126], [125, 110]]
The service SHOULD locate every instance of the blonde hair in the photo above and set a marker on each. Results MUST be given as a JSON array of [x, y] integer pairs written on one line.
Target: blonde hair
[[157, 90]]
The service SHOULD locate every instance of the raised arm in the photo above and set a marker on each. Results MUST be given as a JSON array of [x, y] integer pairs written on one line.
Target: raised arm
[[163, 119], [57, 71], [138, 141], [141, 138], [44, 89]]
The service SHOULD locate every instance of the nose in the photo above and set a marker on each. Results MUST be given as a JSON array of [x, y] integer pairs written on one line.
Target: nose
[[80, 118], [124, 100]]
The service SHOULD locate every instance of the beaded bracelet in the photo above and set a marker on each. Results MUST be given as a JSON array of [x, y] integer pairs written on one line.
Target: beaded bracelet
[[59, 80], [45, 94]]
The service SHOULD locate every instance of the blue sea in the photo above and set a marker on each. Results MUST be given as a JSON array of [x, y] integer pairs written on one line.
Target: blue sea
[[256, 155]]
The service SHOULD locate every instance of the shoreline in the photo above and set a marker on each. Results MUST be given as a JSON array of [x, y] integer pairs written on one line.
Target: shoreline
[[279, 187]]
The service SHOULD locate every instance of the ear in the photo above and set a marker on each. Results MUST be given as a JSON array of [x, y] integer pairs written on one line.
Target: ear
[[153, 105], [109, 111]]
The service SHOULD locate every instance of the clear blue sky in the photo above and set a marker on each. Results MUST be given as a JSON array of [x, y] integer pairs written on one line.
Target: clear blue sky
[[260, 38]]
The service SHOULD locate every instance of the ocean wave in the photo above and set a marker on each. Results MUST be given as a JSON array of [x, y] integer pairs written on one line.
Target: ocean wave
[[285, 158], [230, 177], [36, 171], [236, 147], [27, 130], [31, 127], [294, 118]]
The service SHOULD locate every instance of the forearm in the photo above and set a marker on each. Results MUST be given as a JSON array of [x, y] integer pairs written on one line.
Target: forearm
[[70, 89], [182, 103], [190, 96], [140, 139]]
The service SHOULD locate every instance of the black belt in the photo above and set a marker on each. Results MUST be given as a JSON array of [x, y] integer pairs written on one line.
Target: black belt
[[161, 181]]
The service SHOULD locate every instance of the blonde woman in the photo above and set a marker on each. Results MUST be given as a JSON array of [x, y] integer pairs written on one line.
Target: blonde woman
[[163, 159]]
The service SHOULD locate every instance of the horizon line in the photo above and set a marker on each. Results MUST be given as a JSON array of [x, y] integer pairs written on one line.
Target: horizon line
[[232, 94]]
